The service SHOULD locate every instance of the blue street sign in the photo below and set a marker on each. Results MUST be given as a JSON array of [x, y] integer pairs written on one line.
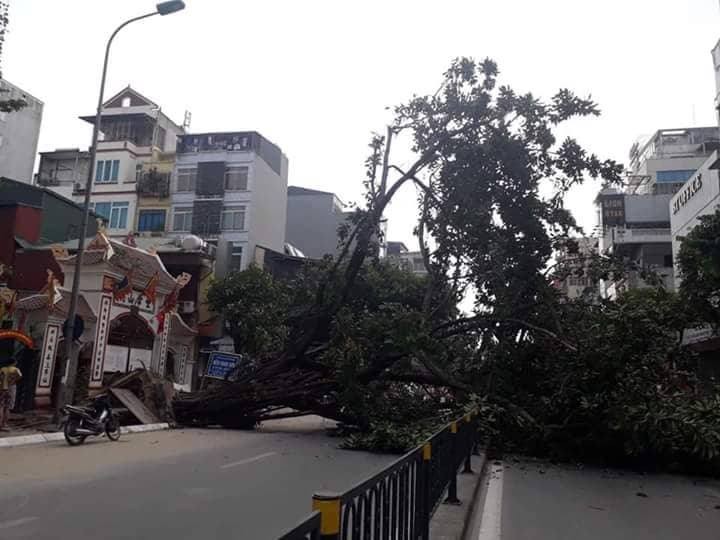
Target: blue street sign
[[221, 364]]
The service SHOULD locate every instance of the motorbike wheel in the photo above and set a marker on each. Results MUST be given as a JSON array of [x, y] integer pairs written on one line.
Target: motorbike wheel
[[112, 429], [70, 432]]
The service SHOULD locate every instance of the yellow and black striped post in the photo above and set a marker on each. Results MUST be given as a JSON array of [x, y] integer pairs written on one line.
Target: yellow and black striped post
[[328, 504], [452, 465], [467, 447]]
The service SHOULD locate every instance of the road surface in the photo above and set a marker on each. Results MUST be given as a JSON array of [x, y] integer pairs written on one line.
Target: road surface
[[184, 484], [529, 500]]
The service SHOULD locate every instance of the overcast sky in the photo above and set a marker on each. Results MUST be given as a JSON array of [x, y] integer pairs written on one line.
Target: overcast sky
[[315, 77]]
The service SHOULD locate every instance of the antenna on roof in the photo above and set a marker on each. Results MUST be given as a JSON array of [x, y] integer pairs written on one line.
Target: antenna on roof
[[187, 119]]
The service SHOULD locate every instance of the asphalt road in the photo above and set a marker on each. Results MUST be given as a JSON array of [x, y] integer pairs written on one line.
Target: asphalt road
[[185, 484], [526, 500]]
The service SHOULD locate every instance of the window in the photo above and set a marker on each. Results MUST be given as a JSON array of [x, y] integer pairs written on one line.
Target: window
[[233, 218], [186, 179], [115, 213], [125, 101], [236, 178], [102, 209], [236, 257], [674, 176], [151, 220], [182, 219], [667, 261], [118, 215], [107, 171]]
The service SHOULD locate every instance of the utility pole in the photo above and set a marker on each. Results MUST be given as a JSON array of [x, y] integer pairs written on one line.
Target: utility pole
[[67, 388]]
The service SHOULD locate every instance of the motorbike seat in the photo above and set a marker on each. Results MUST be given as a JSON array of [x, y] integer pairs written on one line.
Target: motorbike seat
[[80, 410]]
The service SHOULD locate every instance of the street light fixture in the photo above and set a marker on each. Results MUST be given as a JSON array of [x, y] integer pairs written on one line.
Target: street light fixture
[[68, 385], [166, 8]]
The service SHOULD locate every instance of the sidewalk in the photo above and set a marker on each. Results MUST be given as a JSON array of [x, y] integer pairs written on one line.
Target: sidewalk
[[28, 423], [37, 428], [453, 521]]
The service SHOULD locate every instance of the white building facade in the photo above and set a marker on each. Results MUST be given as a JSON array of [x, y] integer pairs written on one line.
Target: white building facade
[[699, 196], [19, 133], [230, 189], [669, 158], [133, 132]]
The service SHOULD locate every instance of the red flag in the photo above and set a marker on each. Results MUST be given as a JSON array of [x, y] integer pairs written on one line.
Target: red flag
[[150, 290], [123, 287]]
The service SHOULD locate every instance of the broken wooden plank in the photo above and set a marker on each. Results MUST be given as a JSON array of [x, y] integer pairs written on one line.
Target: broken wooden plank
[[135, 406]]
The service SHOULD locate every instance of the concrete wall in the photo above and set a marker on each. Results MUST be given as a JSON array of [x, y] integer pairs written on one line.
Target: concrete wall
[[312, 224], [268, 209], [647, 208], [19, 132]]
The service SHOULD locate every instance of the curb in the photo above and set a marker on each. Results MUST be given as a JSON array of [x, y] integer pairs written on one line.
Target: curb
[[40, 438], [453, 522]]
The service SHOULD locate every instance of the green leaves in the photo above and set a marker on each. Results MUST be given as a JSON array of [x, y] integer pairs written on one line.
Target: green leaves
[[254, 307], [699, 264]]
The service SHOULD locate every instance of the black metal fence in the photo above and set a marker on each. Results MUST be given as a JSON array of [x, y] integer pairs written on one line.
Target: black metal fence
[[307, 529], [398, 502]]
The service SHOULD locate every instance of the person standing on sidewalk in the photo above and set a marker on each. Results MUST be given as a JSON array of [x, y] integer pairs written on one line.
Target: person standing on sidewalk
[[9, 376]]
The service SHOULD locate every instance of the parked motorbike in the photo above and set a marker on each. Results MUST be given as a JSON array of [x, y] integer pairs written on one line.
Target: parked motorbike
[[84, 422]]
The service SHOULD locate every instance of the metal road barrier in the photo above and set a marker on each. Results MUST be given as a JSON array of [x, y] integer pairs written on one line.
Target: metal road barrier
[[398, 502]]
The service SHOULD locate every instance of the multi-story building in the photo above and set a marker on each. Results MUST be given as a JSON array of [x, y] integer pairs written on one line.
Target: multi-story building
[[669, 158], [412, 261], [573, 264], [62, 169], [19, 132], [313, 219], [153, 191], [700, 194], [136, 136], [636, 228], [230, 189], [636, 224]]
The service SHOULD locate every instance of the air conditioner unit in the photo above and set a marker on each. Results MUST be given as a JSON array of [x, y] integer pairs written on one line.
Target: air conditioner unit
[[79, 187], [187, 307]]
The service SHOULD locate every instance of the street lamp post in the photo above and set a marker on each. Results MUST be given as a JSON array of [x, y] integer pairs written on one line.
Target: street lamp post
[[68, 383]]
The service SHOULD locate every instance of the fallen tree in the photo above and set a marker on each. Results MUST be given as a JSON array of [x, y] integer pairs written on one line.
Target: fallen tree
[[389, 355], [481, 153]]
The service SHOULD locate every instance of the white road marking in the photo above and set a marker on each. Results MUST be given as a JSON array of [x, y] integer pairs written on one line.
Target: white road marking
[[248, 460], [490, 526], [17, 522]]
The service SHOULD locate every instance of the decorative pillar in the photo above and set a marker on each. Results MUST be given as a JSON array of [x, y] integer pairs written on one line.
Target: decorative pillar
[[43, 387], [183, 361], [164, 344], [101, 336]]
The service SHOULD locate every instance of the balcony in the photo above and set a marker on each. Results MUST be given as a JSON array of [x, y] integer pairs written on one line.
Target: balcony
[[46, 182], [642, 236], [154, 184]]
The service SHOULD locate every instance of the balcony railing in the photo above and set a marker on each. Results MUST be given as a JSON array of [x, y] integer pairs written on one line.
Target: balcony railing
[[48, 182], [642, 236], [154, 184]]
